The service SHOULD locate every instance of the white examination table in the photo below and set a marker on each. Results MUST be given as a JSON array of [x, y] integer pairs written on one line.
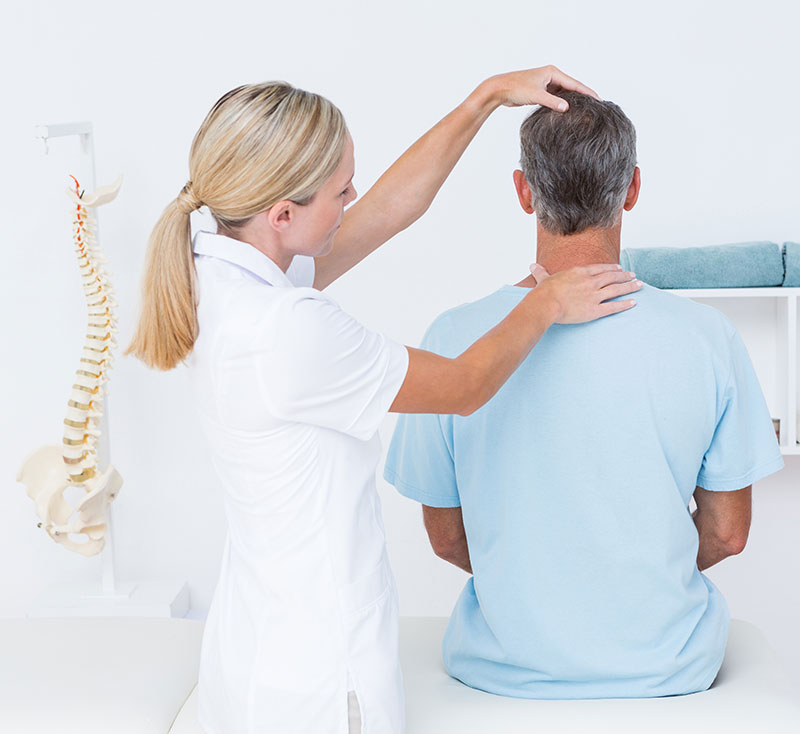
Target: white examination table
[[138, 676]]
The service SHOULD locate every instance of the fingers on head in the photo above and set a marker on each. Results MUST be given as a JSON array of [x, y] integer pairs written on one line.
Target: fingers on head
[[565, 81], [555, 103]]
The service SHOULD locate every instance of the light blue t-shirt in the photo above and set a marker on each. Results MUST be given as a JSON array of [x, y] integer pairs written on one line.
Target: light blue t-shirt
[[574, 483]]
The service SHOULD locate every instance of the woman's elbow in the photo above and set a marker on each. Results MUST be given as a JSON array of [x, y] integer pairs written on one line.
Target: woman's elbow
[[472, 393]]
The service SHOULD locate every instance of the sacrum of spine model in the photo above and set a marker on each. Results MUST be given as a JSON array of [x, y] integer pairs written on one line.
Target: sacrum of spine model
[[50, 470]]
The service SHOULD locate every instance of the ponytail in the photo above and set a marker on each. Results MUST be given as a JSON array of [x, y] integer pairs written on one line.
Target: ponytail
[[167, 326]]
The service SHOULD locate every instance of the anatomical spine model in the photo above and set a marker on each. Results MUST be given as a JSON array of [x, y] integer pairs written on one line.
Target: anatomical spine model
[[50, 470]]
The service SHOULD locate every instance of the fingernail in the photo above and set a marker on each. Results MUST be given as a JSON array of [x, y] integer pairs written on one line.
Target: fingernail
[[639, 282], [562, 107], [631, 274]]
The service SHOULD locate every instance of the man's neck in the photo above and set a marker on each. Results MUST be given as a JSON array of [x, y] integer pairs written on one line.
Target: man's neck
[[556, 252]]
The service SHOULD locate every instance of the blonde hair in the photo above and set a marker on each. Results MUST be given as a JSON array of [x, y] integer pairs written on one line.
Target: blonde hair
[[259, 144]]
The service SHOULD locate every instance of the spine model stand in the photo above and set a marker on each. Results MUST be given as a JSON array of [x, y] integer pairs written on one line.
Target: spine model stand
[[50, 470]]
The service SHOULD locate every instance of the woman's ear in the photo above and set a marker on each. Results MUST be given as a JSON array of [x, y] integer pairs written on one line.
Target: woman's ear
[[523, 192], [280, 215]]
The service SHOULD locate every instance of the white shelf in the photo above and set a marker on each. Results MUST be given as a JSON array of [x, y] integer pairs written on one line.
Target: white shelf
[[785, 405], [778, 292]]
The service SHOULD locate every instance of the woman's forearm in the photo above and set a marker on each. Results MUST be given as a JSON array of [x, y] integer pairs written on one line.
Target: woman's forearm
[[491, 360], [405, 191], [579, 294], [437, 384], [411, 183]]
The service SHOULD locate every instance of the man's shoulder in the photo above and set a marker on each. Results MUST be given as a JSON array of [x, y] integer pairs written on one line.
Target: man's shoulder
[[684, 311], [455, 329]]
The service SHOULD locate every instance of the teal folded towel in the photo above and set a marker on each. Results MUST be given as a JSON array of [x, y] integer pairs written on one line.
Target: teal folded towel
[[745, 265], [791, 264]]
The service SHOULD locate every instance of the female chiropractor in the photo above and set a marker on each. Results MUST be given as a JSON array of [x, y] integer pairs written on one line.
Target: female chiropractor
[[301, 635]]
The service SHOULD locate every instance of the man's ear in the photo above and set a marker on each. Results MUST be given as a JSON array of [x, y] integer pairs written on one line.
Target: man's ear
[[633, 190], [523, 192], [281, 214]]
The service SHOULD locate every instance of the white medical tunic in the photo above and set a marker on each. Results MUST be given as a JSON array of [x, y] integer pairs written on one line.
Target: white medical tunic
[[291, 391]]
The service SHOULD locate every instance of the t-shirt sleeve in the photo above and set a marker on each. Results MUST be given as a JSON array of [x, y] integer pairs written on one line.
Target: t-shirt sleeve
[[327, 369], [744, 447], [420, 459]]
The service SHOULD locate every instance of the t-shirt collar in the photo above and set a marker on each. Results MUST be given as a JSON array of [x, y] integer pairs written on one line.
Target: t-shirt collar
[[242, 254]]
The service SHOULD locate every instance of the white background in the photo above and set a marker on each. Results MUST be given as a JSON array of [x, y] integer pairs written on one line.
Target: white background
[[710, 87]]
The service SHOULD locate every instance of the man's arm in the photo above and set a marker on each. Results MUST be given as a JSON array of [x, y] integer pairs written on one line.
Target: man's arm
[[723, 524], [445, 527]]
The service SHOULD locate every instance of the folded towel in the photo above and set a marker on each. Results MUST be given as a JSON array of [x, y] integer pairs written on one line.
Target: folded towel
[[745, 265], [791, 264]]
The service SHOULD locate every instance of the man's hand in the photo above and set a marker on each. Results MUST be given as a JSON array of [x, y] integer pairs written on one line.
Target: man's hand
[[536, 86]]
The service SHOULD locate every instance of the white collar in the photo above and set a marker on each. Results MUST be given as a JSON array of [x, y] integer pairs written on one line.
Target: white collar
[[242, 254]]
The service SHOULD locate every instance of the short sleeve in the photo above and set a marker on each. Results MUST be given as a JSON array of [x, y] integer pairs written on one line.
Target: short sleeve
[[744, 447], [420, 459], [325, 368]]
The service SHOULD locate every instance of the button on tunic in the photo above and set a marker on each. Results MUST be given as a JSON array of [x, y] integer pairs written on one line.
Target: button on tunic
[[290, 391]]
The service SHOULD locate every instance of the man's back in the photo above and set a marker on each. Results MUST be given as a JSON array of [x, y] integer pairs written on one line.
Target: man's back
[[574, 483]]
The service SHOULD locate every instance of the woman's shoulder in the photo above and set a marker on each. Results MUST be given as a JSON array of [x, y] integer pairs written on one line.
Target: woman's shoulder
[[247, 295], [252, 308]]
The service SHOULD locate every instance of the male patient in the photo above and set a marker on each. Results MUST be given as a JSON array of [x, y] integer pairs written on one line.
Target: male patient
[[567, 495]]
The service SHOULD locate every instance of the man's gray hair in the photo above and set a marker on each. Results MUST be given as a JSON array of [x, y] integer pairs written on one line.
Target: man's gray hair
[[579, 164]]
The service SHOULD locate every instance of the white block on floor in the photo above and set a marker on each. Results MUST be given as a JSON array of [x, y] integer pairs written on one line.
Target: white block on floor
[[141, 599]]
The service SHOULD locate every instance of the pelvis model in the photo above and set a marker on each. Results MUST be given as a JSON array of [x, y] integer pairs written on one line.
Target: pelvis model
[[50, 470]]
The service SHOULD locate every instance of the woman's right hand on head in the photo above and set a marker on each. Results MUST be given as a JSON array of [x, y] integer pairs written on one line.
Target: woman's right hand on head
[[536, 86], [582, 293]]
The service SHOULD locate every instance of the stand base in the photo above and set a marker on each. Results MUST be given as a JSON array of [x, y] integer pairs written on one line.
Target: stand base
[[143, 599]]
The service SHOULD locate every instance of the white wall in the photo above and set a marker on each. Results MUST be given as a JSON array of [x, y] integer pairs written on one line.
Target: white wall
[[709, 87]]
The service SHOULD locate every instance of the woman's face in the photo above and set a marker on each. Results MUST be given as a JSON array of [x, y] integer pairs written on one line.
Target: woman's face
[[318, 221]]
